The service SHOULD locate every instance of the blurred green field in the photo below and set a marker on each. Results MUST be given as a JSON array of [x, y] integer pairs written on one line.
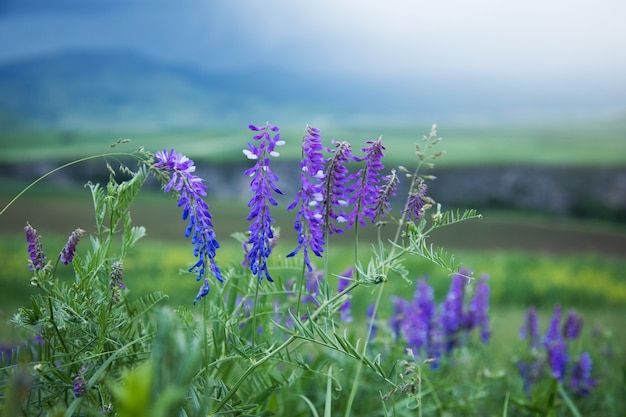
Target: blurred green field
[[564, 143]]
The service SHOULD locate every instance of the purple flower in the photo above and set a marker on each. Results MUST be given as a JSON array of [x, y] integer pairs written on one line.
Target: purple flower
[[572, 326], [309, 223], [117, 274], [581, 381], [338, 187], [367, 190], [416, 321], [67, 254], [417, 202], [530, 373], [262, 185], [479, 309], [385, 192], [530, 328], [452, 317], [80, 384], [345, 309], [556, 347], [35, 249], [192, 189]]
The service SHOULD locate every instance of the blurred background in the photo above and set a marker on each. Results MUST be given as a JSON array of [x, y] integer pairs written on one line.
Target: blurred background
[[529, 96]]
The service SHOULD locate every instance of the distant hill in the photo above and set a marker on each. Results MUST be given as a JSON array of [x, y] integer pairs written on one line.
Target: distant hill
[[89, 90], [94, 90]]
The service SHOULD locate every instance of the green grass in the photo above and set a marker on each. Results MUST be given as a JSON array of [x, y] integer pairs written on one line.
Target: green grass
[[579, 143]]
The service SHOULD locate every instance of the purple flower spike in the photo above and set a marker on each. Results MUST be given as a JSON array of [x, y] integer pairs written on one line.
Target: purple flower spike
[[572, 326], [80, 384], [262, 185], [479, 309], [192, 189], [581, 381], [367, 190], [67, 254], [452, 315], [417, 202], [309, 223], [338, 187], [530, 328], [389, 188], [35, 249], [556, 347]]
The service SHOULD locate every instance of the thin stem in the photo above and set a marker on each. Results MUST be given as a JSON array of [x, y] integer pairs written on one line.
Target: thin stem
[[47, 174], [355, 381], [254, 332], [284, 345]]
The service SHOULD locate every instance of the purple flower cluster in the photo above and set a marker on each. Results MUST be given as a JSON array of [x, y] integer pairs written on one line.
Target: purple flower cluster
[[116, 286], [262, 185], [191, 190], [309, 223], [367, 191], [553, 354], [338, 187], [417, 202], [35, 249], [431, 330], [80, 383], [67, 254]]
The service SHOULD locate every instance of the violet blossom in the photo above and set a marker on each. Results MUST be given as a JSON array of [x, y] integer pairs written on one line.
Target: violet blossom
[[556, 347], [338, 187], [581, 381], [478, 309], [366, 188], [572, 326], [35, 249], [192, 190], [530, 328], [309, 223], [262, 185], [69, 250]]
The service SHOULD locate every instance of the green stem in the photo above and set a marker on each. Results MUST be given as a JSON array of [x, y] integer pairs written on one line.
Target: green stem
[[47, 174], [355, 381], [284, 345]]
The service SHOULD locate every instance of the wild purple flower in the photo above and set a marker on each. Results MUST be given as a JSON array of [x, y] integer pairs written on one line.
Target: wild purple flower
[[556, 347], [530, 372], [67, 254], [530, 328], [117, 274], [262, 184], [385, 192], [581, 381], [452, 317], [35, 249], [80, 384], [572, 326], [366, 192], [338, 187], [416, 203], [478, 314], [400, 313], [312, 287], [415, 320], [192, 189], [345, 309], [309, 223]]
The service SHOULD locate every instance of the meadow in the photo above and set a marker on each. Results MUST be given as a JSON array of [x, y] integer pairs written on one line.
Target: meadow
[[542, 268]]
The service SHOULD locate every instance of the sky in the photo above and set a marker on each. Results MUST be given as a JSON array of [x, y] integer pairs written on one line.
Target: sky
[[547, 44]]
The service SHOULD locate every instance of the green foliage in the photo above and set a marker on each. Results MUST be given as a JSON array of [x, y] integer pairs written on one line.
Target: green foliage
[[251, 348]]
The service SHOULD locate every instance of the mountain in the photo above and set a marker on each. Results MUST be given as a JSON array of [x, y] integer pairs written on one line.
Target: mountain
[[95, 90]]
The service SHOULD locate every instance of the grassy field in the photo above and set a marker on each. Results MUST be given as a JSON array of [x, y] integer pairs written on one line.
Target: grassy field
[[563, 143]]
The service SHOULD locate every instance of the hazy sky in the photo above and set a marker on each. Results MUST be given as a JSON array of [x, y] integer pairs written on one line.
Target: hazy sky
[[520, 39]]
